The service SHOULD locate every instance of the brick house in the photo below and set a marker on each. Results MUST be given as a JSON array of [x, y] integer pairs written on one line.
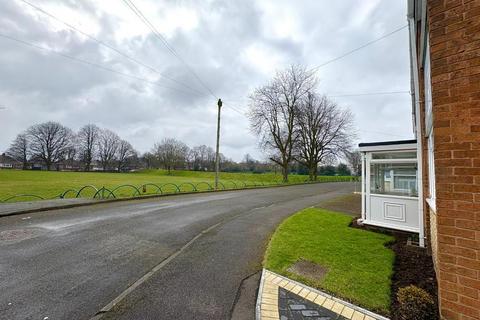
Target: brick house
[[445, 58], [431, 185]]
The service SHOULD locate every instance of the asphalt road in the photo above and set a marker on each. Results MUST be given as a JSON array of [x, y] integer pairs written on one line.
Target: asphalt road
[[71, 263]]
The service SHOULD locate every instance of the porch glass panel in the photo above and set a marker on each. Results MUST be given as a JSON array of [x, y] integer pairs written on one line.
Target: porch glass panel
[[398, 179]]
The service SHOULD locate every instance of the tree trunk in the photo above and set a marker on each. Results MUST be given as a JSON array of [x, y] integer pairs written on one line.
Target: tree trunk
[[285, 173], [87, 165], [312, 173]]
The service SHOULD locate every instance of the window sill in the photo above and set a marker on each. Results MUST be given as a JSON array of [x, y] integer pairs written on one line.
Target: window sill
[[431, 204]]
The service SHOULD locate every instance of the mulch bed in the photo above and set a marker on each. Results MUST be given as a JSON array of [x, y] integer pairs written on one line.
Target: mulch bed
[[413, 266]]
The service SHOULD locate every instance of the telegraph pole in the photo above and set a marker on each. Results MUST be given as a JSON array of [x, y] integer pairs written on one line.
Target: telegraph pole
[[217, 155]]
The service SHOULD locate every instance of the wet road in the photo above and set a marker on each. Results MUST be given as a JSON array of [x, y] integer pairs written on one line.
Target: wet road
[[71, 263]]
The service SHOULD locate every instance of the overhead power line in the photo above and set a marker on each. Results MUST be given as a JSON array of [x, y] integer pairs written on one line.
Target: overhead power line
[[367, 94], [237, 110], [92, 64], [110, 47], [355, 50], [358, 48], [351, 95], [169, 47]]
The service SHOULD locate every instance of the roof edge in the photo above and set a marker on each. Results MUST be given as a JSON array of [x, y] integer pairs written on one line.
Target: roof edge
[[387, 143]]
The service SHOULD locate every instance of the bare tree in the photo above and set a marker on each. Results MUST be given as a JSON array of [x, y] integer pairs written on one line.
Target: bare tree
[[87, 139], [19, 149], [249, 163], [202, 158], [149, 160], [273, 110], [354, 159], [125, 151], [70, 155], [49, 141], [325, 132], [107, 144], [171, 153]]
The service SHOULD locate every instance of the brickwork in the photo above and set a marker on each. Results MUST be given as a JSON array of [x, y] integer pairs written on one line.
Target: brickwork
[[455, 59]]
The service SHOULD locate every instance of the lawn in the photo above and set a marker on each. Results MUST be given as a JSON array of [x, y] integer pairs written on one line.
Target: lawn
[[359, 265], [50, 184]]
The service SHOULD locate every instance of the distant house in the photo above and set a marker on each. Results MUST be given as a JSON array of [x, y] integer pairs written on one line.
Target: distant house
[[36, 163], [96, 166], [431, 185], [7, 162], [68, 165]]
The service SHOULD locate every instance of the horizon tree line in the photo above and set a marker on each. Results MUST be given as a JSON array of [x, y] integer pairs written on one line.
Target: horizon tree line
[[53, 144]]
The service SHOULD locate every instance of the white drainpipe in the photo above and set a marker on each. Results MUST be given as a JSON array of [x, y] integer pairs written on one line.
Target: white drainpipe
[[416, 98], [364, 179]]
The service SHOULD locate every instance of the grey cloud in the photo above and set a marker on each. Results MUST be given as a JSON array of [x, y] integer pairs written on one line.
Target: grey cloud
[[36, 86]]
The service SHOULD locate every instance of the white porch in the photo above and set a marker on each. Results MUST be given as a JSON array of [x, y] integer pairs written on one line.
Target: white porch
[[390, 186]]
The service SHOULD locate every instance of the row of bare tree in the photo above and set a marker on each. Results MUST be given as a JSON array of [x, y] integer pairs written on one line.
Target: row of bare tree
[[173, 154], [52, 143], [296, 124]]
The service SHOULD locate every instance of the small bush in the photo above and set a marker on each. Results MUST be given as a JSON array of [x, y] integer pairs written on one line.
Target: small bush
[[415, 303]]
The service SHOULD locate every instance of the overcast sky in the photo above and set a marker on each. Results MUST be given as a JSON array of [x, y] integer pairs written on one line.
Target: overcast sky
[[233, 46]]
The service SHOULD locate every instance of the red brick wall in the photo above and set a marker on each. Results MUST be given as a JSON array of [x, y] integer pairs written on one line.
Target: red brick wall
[[455, 60]]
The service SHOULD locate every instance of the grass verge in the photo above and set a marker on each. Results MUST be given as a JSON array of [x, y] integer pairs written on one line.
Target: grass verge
[[50, 184], [359, 265]]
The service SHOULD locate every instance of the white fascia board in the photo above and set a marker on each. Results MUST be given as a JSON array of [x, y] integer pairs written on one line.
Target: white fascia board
[[393, 147]]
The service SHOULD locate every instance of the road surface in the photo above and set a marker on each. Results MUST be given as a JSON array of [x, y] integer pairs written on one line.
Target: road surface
[[205, 250]]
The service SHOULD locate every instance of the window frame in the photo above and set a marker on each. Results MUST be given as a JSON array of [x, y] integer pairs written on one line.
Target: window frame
[[428, 105], [427, 85]]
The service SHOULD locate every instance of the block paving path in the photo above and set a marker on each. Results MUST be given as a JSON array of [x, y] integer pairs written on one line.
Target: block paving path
[[285, 299]]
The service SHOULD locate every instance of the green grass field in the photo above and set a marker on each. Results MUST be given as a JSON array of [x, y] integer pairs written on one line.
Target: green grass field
[[50, 184], [359, 266]]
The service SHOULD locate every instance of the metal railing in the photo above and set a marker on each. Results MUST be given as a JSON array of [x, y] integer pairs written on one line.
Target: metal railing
[[165, 188]]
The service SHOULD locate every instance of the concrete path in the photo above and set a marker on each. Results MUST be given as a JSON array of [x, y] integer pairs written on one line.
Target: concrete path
[[204, 250]]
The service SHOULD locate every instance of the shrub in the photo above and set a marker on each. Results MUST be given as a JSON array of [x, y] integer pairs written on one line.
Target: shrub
[[415, 303]]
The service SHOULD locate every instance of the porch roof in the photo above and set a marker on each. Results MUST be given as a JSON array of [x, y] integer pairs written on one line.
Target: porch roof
[[388, 145]]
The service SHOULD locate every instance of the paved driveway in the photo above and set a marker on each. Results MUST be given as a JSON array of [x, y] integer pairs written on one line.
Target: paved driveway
[[205, 248]]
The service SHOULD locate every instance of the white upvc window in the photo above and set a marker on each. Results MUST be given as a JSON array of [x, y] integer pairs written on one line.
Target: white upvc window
[[429, 127]]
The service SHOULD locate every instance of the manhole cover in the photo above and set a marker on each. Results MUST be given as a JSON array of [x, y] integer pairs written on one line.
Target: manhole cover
[[308, 269], [18, 234]]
